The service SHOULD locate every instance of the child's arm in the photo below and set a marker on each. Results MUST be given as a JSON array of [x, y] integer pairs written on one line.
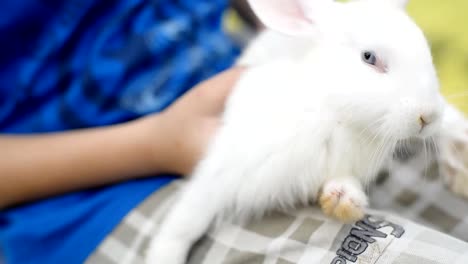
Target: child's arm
[[37, 166]]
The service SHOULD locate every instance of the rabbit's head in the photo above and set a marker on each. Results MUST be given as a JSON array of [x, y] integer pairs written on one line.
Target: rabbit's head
[[378, 53]]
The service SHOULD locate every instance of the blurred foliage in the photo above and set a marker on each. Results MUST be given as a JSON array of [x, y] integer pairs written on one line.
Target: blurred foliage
[[445, 24]]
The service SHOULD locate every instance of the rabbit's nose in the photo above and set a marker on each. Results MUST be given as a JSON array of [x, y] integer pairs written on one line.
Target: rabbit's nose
[[426, 119], [422, 122]]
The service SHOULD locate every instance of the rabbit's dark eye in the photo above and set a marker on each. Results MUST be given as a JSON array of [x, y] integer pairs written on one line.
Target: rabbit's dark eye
[[369, 57]]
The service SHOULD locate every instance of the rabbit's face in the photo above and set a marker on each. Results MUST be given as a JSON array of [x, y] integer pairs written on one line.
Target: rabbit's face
[[390, 74], [378, 54]]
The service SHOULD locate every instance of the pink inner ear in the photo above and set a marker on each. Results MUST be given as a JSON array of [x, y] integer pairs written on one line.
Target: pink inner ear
[[296, 19], [294, 9], [286, 16]]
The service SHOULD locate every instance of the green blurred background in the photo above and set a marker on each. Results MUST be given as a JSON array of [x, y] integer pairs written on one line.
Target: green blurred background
[[445, 23]]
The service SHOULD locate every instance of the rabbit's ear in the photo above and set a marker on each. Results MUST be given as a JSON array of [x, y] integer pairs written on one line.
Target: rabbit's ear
[[398, 3], [289, 16]]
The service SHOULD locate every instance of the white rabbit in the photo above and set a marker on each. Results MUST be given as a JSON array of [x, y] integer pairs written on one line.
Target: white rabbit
[[319, 123], [451, 142]]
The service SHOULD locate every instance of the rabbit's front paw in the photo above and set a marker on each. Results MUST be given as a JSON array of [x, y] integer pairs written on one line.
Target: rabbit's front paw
[[343, 200], [453, 161]]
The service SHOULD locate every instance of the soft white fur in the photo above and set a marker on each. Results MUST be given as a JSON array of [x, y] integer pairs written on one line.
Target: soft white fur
[[453, 151], [314, 117]]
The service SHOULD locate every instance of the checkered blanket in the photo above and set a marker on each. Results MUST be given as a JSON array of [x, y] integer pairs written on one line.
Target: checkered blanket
[[412, 192], [419, 194]]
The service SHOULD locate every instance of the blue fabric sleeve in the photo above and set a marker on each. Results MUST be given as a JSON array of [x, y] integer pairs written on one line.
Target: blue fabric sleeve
[[67, 229]]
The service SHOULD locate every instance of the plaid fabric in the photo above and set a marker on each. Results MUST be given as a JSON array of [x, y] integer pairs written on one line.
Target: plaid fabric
[[304, 236], [417, 192]]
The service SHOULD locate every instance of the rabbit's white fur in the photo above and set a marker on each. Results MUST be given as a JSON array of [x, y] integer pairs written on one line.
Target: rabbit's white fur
[[453, 151], [451, 142], [318, 120]]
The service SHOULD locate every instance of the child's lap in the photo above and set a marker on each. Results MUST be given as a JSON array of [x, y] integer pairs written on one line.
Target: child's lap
[[304, 236]]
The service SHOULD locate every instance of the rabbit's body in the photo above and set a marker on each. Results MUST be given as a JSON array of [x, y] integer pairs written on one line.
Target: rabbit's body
[[290, 150], [272, 157], [312, 125]]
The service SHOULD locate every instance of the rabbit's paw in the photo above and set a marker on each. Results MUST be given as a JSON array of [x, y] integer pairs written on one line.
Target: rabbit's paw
[[343, 200], [165, 251], [453, 161]]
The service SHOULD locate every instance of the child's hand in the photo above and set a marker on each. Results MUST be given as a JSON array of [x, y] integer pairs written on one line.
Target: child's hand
[[186, 127], [172, 141]]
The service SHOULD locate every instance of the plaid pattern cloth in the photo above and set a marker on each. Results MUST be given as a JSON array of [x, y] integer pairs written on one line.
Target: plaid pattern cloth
[[307, 236], [417, 192]]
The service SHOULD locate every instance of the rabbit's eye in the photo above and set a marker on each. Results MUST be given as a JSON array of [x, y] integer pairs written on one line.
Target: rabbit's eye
[[369, 57]]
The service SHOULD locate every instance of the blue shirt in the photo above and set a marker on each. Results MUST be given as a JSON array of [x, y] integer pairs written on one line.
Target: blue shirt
[[86, 63]]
